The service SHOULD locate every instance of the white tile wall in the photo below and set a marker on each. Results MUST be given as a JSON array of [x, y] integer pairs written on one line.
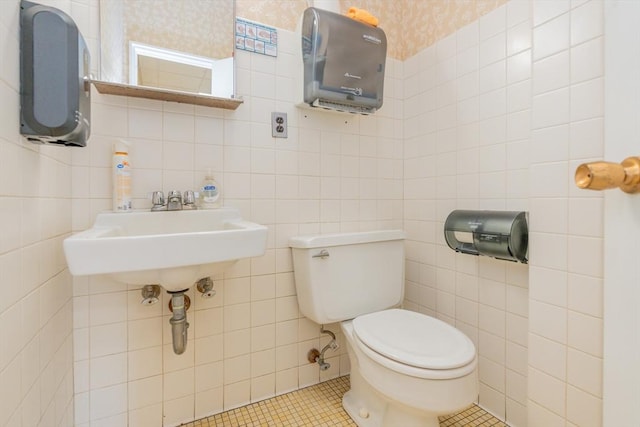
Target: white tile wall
[[36, 314], [565, 340], [475, 156], [249, 342], [495, 116]]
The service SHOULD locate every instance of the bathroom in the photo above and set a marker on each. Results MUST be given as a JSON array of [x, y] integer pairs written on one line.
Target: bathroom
[[490, 105]]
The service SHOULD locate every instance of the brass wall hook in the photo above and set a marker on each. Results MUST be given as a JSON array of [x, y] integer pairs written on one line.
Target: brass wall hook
[[605, 175]]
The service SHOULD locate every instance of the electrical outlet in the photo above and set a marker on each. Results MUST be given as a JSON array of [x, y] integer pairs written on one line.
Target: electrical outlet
[[279, 125]]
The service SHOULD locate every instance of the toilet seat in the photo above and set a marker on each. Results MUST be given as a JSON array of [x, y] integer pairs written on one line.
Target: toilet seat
[[415, 344]]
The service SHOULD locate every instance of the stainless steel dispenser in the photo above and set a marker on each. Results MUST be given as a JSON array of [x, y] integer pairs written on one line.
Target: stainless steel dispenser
[[498, 234], [344, 62]]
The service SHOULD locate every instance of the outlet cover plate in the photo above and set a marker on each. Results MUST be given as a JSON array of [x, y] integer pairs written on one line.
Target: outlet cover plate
[[278, 125]]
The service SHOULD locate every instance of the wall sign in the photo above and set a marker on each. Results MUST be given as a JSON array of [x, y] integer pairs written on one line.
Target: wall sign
[[254, 37]]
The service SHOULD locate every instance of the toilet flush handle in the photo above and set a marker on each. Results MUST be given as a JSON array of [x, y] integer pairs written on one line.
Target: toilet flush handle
[[322, 254]]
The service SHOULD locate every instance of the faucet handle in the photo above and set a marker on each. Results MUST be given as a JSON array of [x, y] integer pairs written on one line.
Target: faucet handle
[[188, 198], [157, 198], [158, 201]]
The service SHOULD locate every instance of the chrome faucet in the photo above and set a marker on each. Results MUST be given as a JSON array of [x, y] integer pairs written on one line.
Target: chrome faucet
[[174, 201]]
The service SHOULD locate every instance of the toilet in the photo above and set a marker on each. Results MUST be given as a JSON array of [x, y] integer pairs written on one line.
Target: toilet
[[407, 368]]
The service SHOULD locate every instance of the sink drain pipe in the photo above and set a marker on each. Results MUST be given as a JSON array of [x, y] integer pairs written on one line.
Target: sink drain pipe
[[178, 321]]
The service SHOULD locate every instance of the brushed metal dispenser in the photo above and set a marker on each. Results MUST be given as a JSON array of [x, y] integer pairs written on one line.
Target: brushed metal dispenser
[[498, 234]]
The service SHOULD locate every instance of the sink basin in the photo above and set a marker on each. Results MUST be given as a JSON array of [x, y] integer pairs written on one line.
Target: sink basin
[[173, 249]]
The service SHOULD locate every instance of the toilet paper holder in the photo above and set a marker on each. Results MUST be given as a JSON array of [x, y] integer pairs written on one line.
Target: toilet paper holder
[[498, 234]]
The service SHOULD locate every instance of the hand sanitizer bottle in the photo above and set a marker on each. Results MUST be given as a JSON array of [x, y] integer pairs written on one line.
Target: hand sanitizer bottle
[[209, 192]]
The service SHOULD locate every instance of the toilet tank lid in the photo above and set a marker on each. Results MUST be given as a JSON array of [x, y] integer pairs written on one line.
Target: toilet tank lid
[[339, 239]]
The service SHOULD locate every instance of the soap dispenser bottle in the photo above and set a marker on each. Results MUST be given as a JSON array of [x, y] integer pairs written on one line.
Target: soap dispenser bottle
[[121, 177], [209, 192]]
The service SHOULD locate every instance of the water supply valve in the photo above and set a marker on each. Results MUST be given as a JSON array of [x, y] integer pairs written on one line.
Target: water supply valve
[[150, 294], [205, 287]]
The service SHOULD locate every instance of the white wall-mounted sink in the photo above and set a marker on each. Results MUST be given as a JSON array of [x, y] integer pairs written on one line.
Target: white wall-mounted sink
[[173, 249]]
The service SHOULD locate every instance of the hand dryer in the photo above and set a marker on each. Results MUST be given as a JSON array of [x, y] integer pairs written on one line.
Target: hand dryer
[[55, 89]]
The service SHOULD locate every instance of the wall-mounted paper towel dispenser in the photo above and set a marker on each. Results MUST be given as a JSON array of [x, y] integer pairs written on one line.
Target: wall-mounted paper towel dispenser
[[498, 234], [55, 89], [344, 62]]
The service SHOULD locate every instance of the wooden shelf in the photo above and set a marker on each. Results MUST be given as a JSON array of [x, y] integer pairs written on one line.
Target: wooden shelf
[[120, 89]]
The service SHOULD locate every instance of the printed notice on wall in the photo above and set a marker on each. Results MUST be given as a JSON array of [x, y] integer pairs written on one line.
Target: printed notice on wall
[[255, 37]]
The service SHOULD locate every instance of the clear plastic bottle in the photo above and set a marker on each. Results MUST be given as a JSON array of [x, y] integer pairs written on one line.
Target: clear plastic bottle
[[209, 192], [121, 177]]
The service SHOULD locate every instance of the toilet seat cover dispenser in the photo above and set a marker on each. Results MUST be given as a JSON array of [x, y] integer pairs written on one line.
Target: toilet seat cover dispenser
[[414, 339]]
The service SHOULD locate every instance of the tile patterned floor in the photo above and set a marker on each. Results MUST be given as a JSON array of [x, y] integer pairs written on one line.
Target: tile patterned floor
[[474, 416], [321, 405]]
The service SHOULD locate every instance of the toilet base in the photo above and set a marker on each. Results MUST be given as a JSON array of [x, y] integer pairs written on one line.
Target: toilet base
[[367, 408]]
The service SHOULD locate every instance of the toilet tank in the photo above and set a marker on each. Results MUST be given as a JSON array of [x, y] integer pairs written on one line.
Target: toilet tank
[[341, 276]]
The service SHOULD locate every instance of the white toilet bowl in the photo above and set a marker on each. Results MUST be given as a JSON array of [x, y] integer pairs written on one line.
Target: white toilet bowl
[[407, 369]]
